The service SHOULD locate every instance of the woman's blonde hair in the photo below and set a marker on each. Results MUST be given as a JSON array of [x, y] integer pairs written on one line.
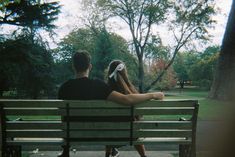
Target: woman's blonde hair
[[120, 82]]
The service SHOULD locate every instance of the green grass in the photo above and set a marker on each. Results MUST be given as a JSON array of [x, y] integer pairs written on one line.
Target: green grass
[[208, 109]]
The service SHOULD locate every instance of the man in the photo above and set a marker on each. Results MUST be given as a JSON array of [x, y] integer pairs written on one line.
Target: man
[[83, 88]]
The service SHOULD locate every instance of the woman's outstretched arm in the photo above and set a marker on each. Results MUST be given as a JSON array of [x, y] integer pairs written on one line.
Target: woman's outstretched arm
[[132, 99]]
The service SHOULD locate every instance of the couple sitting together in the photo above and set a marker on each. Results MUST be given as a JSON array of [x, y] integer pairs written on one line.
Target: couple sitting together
[[118, 89]]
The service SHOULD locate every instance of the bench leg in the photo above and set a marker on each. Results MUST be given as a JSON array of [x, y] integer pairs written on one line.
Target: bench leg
[[12, 151], [65, 152], [187, 151]]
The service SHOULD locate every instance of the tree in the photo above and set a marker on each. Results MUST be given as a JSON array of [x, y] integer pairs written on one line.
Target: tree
[[140, 16], [155, 51], [196, 67], [25, 59], [192, 19], [78, 39], [223, 87], [26, 66], [202, 71], [94, 17], [182, 64], [103, 53], [189, 18], [32, 14]]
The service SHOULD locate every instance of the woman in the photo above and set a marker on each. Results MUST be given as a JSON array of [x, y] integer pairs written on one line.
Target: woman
[[118, 81]]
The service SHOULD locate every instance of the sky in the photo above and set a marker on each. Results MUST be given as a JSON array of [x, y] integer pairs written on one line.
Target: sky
[[71, 13]]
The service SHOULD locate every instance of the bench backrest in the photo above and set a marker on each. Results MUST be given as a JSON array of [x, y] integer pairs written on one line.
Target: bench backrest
[[97, 122]]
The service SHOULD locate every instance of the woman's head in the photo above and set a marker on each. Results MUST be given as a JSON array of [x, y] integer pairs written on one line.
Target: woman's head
[[118, 78]]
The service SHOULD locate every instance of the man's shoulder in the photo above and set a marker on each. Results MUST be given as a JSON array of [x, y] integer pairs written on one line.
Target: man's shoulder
[[98, 81], [70, 81], [64, 88]]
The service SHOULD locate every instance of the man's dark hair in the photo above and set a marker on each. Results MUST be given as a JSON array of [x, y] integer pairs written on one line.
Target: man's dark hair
[[81, 61]]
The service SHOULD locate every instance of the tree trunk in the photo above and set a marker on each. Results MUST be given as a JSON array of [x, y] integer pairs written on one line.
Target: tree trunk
[[223, 87], [141, 75]]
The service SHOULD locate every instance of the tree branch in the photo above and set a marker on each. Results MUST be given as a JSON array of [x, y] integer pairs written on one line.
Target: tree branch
[[140, 19], [147, 35], [10, 23], [177, 48]]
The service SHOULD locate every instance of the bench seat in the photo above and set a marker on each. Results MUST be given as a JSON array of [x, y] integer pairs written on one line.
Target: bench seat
[[50, 124]]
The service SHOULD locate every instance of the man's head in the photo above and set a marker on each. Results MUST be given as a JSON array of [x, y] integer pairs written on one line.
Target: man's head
[[81, 61]]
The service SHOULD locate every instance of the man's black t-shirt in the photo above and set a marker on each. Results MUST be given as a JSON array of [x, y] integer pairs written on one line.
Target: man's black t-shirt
[[84, 89]]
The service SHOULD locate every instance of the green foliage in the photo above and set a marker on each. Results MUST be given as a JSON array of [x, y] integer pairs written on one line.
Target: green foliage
[[26, 62], [202, 73], [103, 53], [78, 39], [62, 71], [32, 14], [197, 67], [103, 47], [153, 11], [182, 66], [192, 19], [26, 66], [155, 50]]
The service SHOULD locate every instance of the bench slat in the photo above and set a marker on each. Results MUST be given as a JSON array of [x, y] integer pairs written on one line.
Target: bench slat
[[168, 103], [17, 125], [95, 103], [37, 142], [100, 112], [103, 143], [32, 103], [162, 141], [33, 112], [36, 133], [163, 111], [98, 119], [100, 134], [162, 125], [100, 125], [34, 125], [162, 133]]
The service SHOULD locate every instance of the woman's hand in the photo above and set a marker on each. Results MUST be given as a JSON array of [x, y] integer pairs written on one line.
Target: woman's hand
[[158, 95]]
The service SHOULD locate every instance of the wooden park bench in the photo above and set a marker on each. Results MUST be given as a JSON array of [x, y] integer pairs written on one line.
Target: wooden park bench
[[95, 123]]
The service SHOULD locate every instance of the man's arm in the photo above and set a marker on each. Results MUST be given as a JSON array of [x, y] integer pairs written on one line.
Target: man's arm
[[132, 99]]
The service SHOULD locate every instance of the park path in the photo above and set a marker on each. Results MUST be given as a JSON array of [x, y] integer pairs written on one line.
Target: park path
[[204, 128]]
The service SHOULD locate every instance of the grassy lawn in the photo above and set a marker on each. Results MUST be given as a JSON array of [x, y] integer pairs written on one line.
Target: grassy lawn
[[208, 109]]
